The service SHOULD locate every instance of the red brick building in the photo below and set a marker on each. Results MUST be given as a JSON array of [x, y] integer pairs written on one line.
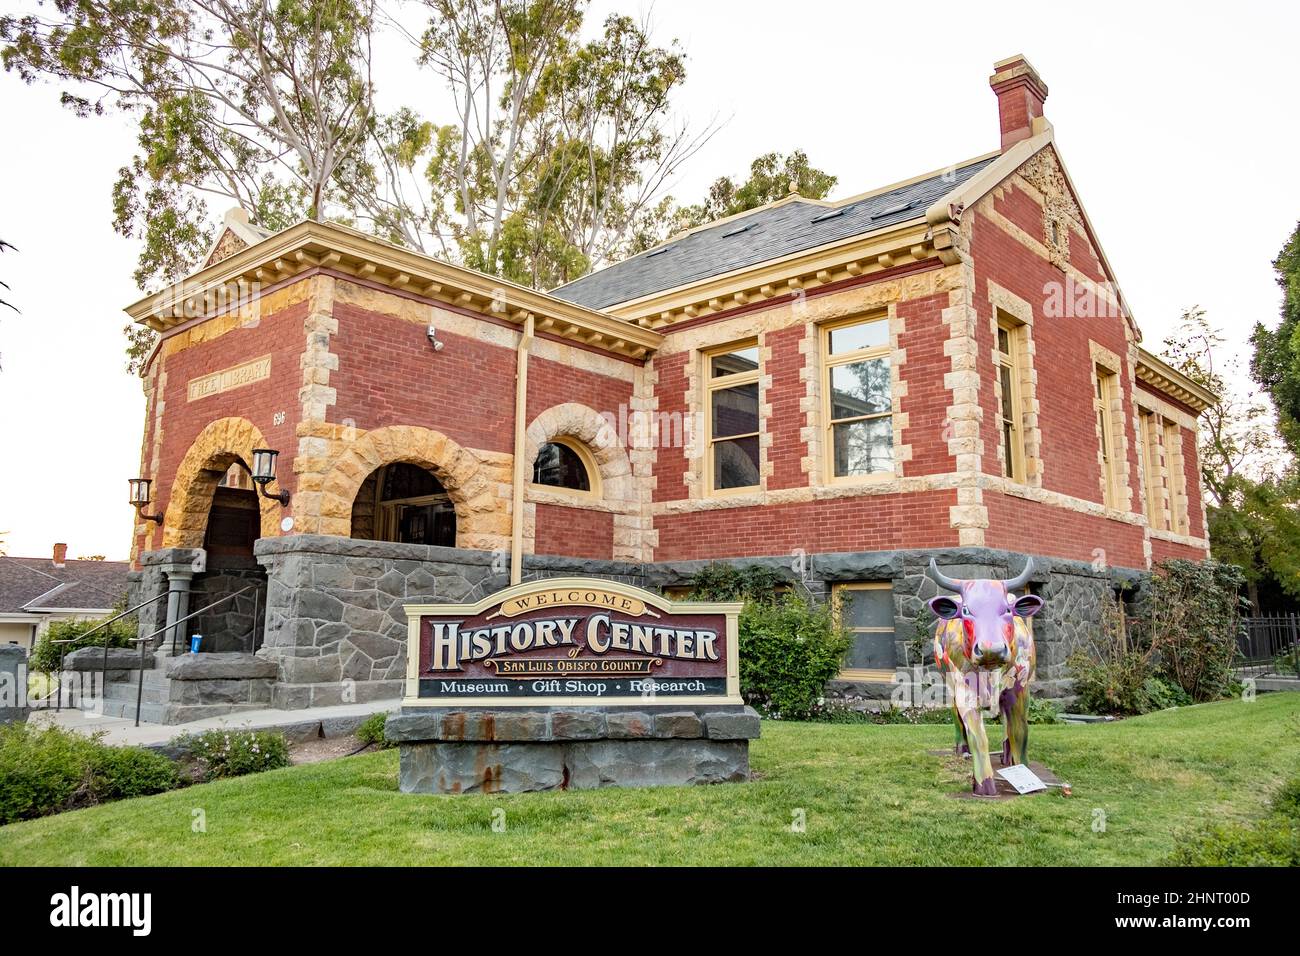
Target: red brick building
[[839, 389]]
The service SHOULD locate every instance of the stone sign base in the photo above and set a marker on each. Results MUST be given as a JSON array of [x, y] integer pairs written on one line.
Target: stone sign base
[[446, 750]]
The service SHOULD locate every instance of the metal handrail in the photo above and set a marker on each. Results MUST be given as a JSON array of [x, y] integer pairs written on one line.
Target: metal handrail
[[139, 687], [102, 624]]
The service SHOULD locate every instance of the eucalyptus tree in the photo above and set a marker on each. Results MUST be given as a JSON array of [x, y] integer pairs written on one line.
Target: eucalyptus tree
[[252, 102]]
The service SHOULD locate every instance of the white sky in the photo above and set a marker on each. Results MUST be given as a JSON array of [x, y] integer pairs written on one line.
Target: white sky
[[1176, 122]]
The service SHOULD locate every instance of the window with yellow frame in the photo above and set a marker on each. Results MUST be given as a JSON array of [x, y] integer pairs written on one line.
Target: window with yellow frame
[[858, 398], [1173, 440], [1012, 410], [1149, 455], [866, 610], [1103, 396], [732, 417], [565, 465]]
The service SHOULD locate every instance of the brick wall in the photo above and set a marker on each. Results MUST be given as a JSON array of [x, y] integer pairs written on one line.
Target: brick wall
[[785, 394], [927, 399], [389, 374], [1063, 361], [277, 333], [870, 523], [574, 532]]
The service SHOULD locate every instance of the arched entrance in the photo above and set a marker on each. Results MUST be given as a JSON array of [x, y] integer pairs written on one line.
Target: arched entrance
[[405, 503], [213, 505]]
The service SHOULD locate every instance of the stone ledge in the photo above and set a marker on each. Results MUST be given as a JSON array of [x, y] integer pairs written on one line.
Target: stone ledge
[[481, 767], [234, 665], [545, 725], [119, 659]]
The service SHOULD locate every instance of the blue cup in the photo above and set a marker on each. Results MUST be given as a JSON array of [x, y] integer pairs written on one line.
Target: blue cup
[[195, 641]]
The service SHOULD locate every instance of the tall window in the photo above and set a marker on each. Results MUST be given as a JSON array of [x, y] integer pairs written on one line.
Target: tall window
[[1149, 445], [867, 612], [1173, 442], [731, 383], [1104, 392], [859, 423], [561, 465], [1012, 410]]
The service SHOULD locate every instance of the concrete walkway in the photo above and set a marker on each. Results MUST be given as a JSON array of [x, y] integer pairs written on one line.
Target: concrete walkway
[[296, 725]]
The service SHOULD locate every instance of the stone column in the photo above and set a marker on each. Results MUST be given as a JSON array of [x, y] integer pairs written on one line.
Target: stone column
[[13, 684]]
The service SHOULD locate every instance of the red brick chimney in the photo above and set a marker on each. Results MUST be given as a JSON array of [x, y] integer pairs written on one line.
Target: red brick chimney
[[1021, 93], [60, 555]]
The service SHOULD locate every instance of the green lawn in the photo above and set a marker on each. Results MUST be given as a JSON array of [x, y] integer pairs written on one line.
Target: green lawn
[[871, 795]]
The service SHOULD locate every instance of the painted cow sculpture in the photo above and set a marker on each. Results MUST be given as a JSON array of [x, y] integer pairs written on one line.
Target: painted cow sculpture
[[984, 647]]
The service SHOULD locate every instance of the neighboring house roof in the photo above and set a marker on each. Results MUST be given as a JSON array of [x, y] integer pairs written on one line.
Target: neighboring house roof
[[38, 586], [769, 232]]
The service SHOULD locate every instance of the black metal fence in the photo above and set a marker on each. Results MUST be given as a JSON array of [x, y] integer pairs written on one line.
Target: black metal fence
[[1271, 640]]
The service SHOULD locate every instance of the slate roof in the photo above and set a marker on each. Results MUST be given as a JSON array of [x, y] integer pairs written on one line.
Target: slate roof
[[767, 233], [35, 585]]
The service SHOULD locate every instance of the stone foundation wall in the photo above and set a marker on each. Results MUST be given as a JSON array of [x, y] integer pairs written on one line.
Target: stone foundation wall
[[335, 617], [335, 622], [1073, 593], [228, 627]]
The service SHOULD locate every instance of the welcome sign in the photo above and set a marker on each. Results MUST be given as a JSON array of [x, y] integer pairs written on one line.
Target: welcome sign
[[572, 641]]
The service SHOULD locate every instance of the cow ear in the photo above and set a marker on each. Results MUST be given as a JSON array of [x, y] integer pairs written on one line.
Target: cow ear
[[1027, 605], [945, 607]]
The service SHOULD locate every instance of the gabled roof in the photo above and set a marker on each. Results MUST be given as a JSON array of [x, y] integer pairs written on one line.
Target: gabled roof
[[37, 585], [769, 232]]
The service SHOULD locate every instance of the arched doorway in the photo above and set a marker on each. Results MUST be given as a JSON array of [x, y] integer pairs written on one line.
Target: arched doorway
[[233, 527], [404, 503]]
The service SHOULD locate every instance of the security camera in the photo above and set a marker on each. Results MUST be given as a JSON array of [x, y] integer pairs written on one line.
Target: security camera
[[433, 339]]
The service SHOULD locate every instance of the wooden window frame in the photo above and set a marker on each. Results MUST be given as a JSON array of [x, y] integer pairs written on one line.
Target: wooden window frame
[[852, 673], [1171, 438], [722, 383], [385, 519], [1104, 383], [1014, 462], [828, 364], [593, 492], [1149, 455]]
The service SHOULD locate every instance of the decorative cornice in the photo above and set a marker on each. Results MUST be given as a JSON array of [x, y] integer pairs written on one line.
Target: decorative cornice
[[1167, 380], [318, 245]]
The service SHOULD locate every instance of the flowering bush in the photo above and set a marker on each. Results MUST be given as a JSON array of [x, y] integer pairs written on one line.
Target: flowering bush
[[233, 753]]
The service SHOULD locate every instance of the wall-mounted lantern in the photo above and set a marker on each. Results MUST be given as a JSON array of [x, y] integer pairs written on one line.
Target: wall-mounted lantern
[[264, 473], [139, 496]]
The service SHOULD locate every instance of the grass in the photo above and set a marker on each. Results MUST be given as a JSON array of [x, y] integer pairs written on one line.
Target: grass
[[871, 795]]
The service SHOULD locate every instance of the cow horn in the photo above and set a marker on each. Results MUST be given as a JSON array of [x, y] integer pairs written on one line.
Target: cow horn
[[941, 579], [1021, 579]]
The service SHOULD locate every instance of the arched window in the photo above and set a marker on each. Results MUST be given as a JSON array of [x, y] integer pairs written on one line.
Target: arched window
[[561, 465], [404, 503]]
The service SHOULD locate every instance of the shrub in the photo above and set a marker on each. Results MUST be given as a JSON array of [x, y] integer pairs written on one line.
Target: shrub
[[1273, 840], [1286, 663], [371, 730], [1043, 711], [46, 654], [121, 772], [49, 770], [1110, 673], [234, 753], [1194, 623], [1160, 693], [726, 582], [788, 651], [1179, 652]]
